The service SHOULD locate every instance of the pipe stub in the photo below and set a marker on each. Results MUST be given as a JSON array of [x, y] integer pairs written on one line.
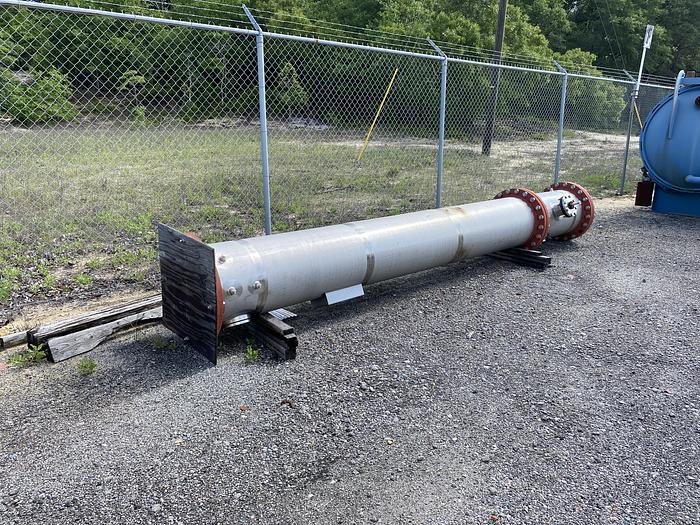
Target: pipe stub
[[587, 209], [539, 213]]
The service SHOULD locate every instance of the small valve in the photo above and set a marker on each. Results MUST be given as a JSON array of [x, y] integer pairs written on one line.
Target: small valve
[[567, 206]]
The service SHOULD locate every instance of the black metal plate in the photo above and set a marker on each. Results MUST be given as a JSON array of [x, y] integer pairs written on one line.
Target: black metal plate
[[188, 281]]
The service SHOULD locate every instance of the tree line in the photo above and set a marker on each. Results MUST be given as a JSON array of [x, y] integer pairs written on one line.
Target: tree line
[[56, 67]]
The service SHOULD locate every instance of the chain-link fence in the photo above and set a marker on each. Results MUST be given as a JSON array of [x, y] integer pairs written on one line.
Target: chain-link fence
[[113, 123]]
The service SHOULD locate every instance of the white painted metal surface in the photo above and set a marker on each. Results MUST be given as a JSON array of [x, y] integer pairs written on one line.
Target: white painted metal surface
[[264, 273]]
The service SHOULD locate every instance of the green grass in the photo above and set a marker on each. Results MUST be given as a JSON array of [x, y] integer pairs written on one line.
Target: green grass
[[87, 366], [33, 355], [251, 353], [83, 279], [88, 200]]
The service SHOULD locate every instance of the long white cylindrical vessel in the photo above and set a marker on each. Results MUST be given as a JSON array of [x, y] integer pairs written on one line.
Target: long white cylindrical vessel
[[265, 273]]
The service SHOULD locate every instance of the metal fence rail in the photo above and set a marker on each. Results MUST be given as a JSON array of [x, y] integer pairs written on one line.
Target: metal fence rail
[[113, 121]]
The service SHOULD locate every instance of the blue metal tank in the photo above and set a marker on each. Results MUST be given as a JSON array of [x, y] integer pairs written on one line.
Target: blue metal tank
[[670, 149]]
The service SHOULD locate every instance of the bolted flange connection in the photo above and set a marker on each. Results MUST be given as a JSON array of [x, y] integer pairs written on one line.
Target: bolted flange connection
[[587, 209], [539, 213], [567, 207]]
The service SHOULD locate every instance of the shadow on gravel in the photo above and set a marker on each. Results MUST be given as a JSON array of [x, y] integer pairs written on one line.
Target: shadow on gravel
[[145, 360], [394, 292], [126, 368]]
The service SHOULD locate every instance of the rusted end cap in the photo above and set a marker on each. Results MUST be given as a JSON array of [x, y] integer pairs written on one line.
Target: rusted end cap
[[587, 209], [539, 213]]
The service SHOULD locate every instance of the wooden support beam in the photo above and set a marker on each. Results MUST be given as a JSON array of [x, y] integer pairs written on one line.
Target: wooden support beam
[[70, 345], [84, 321], [6, 341]]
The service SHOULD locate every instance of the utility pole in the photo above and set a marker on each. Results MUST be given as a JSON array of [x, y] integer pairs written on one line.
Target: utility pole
[[633, 100], [495, 78]]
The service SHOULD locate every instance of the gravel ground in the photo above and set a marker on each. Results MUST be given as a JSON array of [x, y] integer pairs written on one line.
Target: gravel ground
[[477, 393]]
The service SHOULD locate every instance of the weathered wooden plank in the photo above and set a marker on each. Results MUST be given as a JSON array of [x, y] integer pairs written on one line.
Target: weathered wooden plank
[[70, 345], [90, 319], [6, 341], [188, 283]]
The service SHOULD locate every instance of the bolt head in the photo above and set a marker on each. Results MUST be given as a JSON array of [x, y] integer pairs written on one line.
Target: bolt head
[[231, 291], [257, 285]]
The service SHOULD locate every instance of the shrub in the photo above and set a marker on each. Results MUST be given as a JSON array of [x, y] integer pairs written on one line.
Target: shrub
[[46, 99], [289, 94]]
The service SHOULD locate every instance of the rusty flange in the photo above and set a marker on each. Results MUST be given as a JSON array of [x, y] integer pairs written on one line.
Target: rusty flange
[[539, 213], [587, 210]]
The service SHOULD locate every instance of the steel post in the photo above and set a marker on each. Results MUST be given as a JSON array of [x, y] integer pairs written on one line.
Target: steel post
[[495, 79], [625, 158], [262, 101], [441, 126], [633, 99], [562, 109]]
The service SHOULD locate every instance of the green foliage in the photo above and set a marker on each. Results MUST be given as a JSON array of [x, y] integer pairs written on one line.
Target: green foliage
[[83, 279], [144, 71], [289, 92], [614, 32], [8, 276], [131, 81], [163, 343], [551, 17], [5, 290], [87, 366], [45, 98], [32, 355], [251, 354], [191, 112], [138, 115]]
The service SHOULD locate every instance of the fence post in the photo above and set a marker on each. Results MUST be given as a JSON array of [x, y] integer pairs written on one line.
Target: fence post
[[630, 119], [441, 126], [262, 101], [562, 108], [633, 101]]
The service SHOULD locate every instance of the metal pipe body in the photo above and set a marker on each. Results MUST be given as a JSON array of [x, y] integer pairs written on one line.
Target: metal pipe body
[[264, 273]]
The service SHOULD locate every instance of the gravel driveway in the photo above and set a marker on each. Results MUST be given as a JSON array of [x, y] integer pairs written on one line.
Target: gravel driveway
[[477, 393]]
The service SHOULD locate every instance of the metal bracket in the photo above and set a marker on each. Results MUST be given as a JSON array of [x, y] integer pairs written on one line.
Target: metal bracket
[[344, 294], [437, 49], [252, 20], [672, 120]]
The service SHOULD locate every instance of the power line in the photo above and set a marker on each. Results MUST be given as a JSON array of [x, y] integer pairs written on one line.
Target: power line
[[617, 41], [607, 37]]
